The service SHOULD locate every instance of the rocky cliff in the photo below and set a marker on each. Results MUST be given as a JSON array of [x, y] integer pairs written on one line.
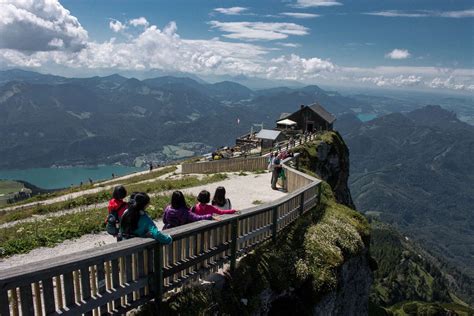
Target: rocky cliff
[[328, 158]]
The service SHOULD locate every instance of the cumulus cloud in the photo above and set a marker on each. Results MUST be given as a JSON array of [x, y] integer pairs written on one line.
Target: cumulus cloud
[[141, 21], [294, 67], [299, 15], [424, 14], [398, 54], [155, 48], [259, 30], [231, 11], [117, 26], [315, 3], [40, 25]]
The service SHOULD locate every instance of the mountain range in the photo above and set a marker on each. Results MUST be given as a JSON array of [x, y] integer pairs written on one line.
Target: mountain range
[[47, 119], [415, 171]]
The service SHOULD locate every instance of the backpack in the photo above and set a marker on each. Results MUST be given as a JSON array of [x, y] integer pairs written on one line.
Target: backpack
[[111, 224]]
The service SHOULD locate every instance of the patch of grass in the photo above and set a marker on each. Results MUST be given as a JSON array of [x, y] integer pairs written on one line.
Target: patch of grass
[[51, 231], [242, 173], [257, 202], [91, 199], [7, 186]]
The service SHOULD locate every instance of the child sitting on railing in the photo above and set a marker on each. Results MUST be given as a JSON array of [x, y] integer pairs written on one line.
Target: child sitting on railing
[[178, 213], [135, 221], [203, 208]]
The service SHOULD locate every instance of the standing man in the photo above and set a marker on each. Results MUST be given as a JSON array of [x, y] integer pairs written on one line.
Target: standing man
[[276, 169]]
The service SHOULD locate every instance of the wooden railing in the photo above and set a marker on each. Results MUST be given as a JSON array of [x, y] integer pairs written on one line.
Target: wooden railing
[[118, 277], [226, 165]]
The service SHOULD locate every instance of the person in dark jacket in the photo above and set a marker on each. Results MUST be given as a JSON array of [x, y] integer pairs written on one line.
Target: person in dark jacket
[[276, 169], [135, 221], [178, 213]]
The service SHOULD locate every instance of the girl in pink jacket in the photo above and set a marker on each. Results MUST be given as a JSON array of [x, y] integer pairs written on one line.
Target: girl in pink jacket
[[203, 208]]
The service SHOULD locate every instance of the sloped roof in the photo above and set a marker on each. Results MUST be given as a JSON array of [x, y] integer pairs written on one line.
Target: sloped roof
[[284, 115], [268, 134], [318, 109]]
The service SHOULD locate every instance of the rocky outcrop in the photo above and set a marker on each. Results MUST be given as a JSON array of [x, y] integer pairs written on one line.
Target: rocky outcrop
[[328, 158], [352, 294]]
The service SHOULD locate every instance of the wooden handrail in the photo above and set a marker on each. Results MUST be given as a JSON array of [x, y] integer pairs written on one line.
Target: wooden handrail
[[117, 277]]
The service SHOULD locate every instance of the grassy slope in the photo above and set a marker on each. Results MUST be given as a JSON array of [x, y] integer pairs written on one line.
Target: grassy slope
[[7, 186], [24, 237]]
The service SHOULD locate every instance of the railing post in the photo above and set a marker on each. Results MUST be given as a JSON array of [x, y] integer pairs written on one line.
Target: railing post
[[319, 193], [301, 203], [233, 245], [275, 223], [4, 304], [158, 274]]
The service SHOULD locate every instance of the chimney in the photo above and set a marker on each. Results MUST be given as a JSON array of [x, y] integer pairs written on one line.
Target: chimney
[[301, 106]]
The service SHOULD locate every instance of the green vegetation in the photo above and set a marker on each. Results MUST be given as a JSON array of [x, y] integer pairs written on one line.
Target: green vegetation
[[95, 198], [7, 186], [406, 282], [257, 202], [24, 237]]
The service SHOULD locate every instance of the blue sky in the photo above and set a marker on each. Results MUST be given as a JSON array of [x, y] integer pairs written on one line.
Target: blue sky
[[403, 44]]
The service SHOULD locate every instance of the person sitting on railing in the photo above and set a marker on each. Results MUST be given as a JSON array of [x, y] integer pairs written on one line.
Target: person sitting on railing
[[178, 213], [116, 208], [135, 221], [203, 208], [220, 201]]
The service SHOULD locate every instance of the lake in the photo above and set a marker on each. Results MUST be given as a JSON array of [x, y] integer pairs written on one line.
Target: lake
[[364, 117], [55, 178]]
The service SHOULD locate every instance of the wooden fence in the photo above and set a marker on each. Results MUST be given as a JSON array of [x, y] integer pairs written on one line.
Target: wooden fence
[[226, 165], [118, 277]]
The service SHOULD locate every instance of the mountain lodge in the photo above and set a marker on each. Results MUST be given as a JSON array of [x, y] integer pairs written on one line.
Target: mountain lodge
[[309, 118]]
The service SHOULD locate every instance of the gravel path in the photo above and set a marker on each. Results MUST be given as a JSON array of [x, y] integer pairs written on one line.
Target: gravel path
[[243, 191]]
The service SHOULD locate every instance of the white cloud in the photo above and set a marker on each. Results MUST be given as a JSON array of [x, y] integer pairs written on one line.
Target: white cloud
[[424, 14], [449, 83], [259, 30], [164, 49], [315, 3], [39, 25], [299, 15], [231, 11], [294, 67], [457, 14], [293, 45], [141, 21], [399, 81], [398, 54], [117, 26]]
